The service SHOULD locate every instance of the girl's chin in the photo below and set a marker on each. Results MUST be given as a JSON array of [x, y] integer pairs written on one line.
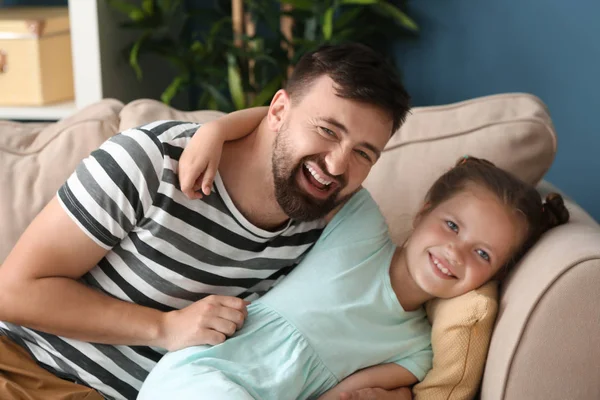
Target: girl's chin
[[434, 287]]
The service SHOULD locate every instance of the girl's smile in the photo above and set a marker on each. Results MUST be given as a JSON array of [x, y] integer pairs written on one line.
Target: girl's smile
[[456, 247], [442, 267]]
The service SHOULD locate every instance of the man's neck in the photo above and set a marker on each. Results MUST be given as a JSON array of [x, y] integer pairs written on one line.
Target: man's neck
[[246, 171]]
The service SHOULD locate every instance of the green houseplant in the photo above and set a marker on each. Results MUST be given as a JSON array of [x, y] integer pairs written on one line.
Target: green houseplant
[[234, 54]]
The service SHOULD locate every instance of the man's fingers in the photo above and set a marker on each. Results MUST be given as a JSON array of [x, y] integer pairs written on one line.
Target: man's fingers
[[213, 337], [231, 302], [235, 316], [223, 326]]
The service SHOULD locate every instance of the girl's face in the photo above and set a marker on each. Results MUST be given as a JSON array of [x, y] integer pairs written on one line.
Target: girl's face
[[462, 243]]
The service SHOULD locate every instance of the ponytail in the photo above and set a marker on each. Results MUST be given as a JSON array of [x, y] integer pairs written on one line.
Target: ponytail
[[554, 212]]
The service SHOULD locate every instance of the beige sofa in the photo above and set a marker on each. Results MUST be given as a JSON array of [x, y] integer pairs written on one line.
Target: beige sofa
[[546, 341]]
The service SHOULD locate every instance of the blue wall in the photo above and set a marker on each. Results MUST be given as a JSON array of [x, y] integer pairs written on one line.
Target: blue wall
[[550, 48]]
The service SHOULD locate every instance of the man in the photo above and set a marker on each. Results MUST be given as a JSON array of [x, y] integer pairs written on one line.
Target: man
[[121, 264]]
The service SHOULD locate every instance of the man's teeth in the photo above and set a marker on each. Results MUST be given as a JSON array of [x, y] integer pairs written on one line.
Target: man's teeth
[[318, 177], [442, 268]]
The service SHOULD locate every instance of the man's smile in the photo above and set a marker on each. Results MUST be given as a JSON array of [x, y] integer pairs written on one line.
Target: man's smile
[[317, 183]]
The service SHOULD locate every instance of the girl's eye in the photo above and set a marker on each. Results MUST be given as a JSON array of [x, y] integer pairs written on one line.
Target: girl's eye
[[483, 254], [452, 226], [363, 155]]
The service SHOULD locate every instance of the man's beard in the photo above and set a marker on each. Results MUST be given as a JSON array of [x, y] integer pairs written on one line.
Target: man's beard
[[295, 202]]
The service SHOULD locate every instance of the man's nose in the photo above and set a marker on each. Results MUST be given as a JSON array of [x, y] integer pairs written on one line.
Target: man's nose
[[337, 161]]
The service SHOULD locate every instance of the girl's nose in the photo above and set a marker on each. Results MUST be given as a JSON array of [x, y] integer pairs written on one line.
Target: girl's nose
[[454, 254]]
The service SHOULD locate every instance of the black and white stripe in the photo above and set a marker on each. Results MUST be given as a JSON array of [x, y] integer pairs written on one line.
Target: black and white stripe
[[164, 250]]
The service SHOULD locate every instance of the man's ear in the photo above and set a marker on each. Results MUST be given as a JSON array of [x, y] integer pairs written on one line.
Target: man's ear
[[280, 105]]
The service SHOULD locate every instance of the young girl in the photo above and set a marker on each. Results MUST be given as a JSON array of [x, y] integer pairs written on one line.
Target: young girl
[[355, 302]]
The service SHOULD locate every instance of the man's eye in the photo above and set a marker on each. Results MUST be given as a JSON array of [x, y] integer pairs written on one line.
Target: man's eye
[[452, 226], [483, 254], [327, 131], [363, 155]]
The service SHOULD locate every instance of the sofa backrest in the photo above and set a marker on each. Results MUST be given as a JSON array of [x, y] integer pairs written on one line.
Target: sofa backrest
[[35, 159], [514, 131]]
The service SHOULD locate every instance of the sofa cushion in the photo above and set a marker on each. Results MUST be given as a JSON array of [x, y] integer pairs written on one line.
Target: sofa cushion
[[143, 111], [461, 326], [512, 130], [35, 159]]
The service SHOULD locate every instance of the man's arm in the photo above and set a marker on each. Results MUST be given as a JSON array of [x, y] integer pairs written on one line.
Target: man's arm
[[39, 289], [388, 376]]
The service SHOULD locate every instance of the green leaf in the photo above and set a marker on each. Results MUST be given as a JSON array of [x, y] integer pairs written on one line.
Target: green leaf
[[148, 6], [123, 6], [220, 101], [267, 93], [349, 34], [347, 17], [328, 23], [235, 83], [398, 15], [212, 104], [134, 55], [205, 97], [171, 90], [197, 47], [169, 6], [216, 28], [137, 15], [267, 59]]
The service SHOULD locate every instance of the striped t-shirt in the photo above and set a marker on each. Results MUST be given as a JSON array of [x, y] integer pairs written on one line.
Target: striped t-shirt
[[164, 250]]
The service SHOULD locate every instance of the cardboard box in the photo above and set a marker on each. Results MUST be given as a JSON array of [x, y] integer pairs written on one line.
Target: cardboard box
[[36, 66]]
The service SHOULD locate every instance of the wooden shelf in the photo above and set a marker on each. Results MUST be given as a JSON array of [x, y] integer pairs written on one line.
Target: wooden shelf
[[51, 112], [99, 69]]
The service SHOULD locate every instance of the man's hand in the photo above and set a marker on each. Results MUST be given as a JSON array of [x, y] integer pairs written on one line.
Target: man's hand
[[402, 393], [207, 321]]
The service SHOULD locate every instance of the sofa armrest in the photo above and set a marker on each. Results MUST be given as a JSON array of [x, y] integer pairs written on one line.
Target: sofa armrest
[[546, 343]]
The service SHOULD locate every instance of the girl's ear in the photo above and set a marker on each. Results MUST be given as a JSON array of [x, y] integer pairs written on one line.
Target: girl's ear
[[424, 210]]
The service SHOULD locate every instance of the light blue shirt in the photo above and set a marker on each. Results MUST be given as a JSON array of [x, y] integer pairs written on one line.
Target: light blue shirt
[[334, 314]]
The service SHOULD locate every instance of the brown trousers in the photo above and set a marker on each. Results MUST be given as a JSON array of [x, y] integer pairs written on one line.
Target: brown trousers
[[22, 379]]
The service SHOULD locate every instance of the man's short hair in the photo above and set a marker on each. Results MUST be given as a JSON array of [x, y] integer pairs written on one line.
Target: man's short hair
[[359, 73]]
